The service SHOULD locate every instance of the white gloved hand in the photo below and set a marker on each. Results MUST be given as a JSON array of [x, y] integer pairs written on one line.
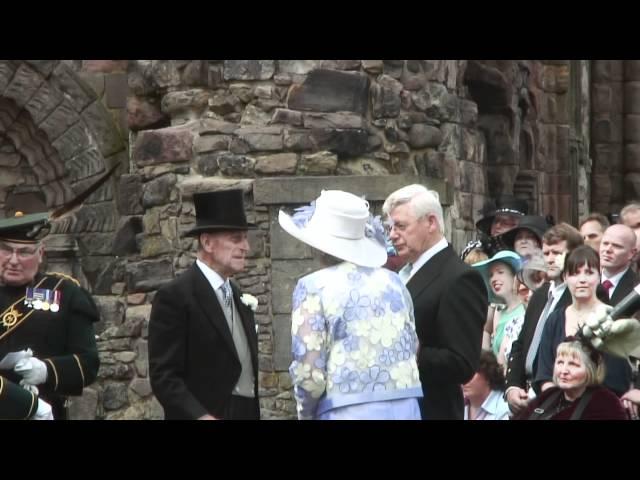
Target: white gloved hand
[[44, 411], [32, 370], [11, 358], [31, 388], [618, 337]]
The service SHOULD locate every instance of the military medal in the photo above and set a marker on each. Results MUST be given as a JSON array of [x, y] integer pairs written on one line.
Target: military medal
[[37, 304], [55, 304]]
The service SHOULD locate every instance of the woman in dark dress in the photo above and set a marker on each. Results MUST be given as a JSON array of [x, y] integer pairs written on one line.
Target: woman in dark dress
[[576, 393], [581, 272]]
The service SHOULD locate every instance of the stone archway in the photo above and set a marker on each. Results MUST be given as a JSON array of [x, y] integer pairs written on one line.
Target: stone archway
[[56, 137]]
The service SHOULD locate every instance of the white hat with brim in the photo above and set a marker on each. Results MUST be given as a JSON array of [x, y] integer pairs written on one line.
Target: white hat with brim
[[337, 227]]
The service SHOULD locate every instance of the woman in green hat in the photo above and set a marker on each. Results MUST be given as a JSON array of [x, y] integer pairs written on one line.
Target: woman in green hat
[[506, 312]]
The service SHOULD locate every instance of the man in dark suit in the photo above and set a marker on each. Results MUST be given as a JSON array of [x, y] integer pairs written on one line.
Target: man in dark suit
[[203, 347], [617, 249], [617, 253], [450, 300], [552, 295]]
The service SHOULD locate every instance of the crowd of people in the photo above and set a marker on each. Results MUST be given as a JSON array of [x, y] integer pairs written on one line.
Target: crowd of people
[[394, 324]]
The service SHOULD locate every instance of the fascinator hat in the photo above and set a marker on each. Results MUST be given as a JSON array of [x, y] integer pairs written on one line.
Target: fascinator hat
[[339, 223]]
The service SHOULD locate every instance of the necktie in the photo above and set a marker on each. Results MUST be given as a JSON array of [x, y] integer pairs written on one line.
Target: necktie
[[537, 335], [607, 284], [226, 294], [405, 272]]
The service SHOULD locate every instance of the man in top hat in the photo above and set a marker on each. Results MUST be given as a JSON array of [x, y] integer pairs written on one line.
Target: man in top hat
[[203, 345], [46, 320], [497, 218]]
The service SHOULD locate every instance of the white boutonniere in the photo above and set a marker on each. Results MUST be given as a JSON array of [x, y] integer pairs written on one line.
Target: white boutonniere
[[250, 301], [559, 261]]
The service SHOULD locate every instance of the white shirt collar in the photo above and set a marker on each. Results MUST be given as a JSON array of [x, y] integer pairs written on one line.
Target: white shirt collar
[[614, 280], [427, 255], [211, 275]]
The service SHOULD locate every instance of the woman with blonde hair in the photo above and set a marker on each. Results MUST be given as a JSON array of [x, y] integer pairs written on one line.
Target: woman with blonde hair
[[576, 393]]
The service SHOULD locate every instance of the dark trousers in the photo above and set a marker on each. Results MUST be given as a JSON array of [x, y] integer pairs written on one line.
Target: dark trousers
[[242, 408]]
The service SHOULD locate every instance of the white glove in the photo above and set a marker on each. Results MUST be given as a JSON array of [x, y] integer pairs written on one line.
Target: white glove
[[30, 388], [618, 337], [32, 370], [11, 358], [44, 411]]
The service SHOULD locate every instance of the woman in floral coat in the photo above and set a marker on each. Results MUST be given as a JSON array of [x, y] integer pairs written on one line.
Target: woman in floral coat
[[353, 335]]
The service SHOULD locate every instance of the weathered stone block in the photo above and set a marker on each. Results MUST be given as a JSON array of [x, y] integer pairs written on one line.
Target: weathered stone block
[[298, 140], [148, 274], [248, 69], [165, 145], [84, 407], [332, 120], [260, 139], [114, 396], [129, 198], [155, 245], [331, 91], [346, 143], [289, 117], [421, 136], [145, 113], [281, 163], [141, 387], [235, 165], [320, 163], [252, 115], [372, 66], [142, 358], [210, 143], [23, 85], [385, 97], [158, 191], [631, 126]]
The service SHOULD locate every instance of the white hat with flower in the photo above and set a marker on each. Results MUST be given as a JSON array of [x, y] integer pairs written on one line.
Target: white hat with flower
[[340, 224]]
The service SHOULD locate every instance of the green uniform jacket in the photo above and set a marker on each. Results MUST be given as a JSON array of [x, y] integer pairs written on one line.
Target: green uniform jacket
[[64, 340], [16, 403]]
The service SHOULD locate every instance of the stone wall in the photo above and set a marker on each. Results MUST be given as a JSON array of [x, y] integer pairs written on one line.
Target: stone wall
[[281, 131]]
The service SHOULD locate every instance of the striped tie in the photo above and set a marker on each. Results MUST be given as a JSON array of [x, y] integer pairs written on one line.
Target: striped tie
[[226, 294]]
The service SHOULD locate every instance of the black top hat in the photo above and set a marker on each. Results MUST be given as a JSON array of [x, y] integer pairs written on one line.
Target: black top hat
[[22, 228], [536, 224], [505, 204], [217, 211]]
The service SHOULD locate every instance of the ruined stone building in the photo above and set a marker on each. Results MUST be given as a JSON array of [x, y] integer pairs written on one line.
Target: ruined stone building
[[564, 135]]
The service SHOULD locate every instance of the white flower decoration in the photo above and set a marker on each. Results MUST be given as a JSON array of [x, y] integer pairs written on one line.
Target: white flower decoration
[[559, 261], [250, 301]]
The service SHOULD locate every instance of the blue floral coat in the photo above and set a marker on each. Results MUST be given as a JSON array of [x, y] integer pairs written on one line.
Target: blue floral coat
[[353, 339]]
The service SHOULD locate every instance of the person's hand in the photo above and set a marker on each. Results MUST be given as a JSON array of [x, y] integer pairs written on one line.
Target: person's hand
[[30, 388], [631, 402], [44, 411], [620, 337], [517, 399], [32, 370]]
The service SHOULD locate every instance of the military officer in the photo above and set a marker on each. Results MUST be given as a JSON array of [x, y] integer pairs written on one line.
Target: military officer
[[46, 315]]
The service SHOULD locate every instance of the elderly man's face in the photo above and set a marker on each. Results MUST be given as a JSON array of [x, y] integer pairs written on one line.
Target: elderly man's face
[[225, 252], [410, 235], [503, 222], [19, 263]]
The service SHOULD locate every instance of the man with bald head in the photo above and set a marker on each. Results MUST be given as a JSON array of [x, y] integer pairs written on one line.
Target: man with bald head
[[617, 249]]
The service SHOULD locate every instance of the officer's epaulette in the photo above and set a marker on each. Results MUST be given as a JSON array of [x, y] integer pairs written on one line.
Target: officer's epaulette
[[65, 276]]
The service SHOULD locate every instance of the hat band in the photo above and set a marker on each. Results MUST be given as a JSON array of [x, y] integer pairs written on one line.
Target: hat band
[[337, 225], [509, 210]]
